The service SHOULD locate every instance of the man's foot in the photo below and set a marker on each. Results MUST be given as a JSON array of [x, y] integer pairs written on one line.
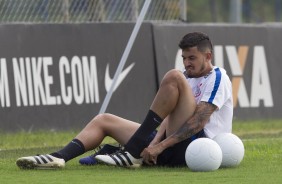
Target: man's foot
[[106, 149], [40, 162], [120, 158]]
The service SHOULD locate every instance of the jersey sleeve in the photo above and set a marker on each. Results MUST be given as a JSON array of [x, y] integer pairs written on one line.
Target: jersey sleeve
[[217, 89]]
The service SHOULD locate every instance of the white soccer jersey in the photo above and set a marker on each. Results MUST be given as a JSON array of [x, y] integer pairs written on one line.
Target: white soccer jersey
[[215, 88]]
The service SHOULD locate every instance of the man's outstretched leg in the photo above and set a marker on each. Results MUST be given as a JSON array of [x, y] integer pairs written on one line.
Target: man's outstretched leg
[[89, 138], [174, 97]]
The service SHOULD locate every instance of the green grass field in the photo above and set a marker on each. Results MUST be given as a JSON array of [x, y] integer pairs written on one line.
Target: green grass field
[[262, 162]]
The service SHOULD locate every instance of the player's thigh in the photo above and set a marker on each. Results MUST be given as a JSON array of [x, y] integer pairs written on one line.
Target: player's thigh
[[184, 109], [119, 128]]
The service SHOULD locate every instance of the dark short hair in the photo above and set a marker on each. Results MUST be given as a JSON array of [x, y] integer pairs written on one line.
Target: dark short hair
[[201, 40]]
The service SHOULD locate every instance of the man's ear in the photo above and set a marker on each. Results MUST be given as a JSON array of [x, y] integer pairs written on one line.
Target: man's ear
[[208, 56]]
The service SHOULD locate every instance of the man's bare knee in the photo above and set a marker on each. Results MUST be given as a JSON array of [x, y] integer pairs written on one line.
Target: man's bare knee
[[99, 119], [173, 76]]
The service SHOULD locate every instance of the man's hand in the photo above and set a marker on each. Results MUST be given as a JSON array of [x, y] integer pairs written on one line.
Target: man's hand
[[150, 154]]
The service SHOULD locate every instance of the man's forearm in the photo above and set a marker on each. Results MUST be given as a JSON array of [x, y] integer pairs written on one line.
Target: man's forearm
[[195, 124], [160, 133], [183, 133], [198, 121]]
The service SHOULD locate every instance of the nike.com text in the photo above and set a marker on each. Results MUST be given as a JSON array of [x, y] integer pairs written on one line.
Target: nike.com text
[[36, 81]]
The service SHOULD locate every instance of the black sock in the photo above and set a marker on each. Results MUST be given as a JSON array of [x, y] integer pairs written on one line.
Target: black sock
[[70, 151], [138, 142]]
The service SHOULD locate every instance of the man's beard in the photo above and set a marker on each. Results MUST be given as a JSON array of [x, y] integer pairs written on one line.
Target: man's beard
[[189, 75]]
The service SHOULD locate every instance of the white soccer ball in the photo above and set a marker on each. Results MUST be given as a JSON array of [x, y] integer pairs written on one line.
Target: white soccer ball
[[232, 149], [203, 154]]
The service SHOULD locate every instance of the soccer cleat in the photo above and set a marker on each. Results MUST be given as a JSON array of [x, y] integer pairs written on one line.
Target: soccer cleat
[[106, 149], [120, 158], [40, 162]]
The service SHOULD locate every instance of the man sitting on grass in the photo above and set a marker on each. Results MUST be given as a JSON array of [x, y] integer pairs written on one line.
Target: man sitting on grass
[[195, 103]]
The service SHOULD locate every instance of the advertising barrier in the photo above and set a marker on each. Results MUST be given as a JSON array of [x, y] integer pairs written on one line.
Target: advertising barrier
[[56, 76]]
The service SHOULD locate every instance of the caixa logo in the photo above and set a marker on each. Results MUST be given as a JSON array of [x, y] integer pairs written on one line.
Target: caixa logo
[[259, 92]]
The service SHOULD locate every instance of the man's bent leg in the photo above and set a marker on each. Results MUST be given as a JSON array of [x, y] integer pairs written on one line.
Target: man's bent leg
[[174, 97]]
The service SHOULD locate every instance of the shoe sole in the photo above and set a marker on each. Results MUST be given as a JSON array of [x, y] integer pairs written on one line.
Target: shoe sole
[[134, 166], [29, 164], [26, 164]]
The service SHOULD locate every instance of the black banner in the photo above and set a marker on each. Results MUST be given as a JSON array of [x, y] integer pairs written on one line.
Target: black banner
[[57, 76]]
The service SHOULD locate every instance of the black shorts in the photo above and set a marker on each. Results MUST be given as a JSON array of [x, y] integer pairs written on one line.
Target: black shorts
[[175, 156]]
